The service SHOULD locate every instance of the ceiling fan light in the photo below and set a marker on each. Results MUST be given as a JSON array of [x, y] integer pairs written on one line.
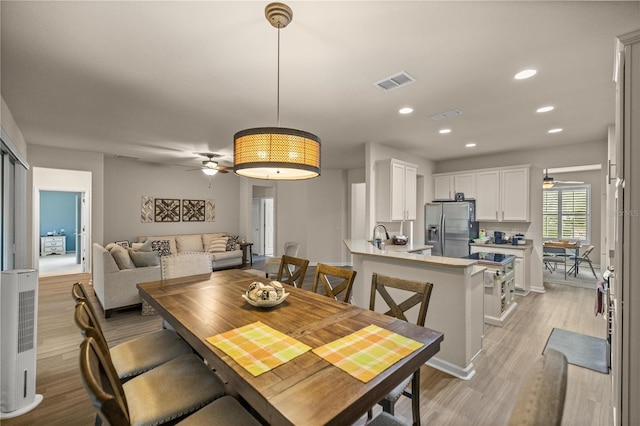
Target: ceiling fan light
[[208, 171], [547, 184]]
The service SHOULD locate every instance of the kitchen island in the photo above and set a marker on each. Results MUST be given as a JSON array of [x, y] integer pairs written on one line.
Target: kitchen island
[[457, 300]]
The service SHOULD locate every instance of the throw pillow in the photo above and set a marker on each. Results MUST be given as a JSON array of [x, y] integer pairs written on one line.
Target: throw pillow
[[218, 245], [142, 246], [206, 238], [189, 243], [232, 242], [144, 258], [161, 246], [122, 258]]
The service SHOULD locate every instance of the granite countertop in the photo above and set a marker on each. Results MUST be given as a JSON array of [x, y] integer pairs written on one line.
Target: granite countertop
[[526, 246], [492, 258], [359, 246]]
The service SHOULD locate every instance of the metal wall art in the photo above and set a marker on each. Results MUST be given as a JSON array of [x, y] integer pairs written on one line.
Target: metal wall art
[[167, 210], [193, 210]]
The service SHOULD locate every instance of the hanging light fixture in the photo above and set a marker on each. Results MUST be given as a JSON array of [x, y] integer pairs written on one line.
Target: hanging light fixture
[[547, 182], [276, 152]]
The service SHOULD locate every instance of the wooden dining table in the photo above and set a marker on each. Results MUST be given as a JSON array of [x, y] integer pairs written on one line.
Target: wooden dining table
[[306, 390]]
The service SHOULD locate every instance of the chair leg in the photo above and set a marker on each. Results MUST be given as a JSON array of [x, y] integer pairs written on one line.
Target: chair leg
[[592, 270], [415, 397]]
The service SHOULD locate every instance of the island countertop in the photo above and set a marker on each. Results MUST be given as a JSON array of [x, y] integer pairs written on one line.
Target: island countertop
[[360, 246]]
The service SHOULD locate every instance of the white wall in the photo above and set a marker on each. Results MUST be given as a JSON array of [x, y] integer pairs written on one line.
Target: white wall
[[10, 126], [127, 181]]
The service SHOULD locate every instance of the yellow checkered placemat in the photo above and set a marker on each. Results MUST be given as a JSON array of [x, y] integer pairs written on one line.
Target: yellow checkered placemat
[[257, 347], [367, 352]]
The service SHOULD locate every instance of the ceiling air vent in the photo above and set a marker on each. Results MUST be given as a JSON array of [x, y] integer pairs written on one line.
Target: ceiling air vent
[[125, 157], [446, 114], [395, 81]]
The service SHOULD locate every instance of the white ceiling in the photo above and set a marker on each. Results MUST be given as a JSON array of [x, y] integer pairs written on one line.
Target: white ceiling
[[161, 81]]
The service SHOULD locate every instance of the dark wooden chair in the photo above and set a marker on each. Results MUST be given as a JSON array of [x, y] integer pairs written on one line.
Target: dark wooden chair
[[134, 356], [334, 280], [163, 395], [419, 295], [541, 397], [292, 270]]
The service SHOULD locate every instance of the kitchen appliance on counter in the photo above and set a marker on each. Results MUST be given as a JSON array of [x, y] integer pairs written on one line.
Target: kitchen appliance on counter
[[450, 226], [499, 238]]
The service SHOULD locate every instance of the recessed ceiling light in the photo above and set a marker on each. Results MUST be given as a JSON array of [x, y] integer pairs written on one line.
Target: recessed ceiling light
[[545, 109], [558, 130], [470, 145], [444, 131], [525, 74], [406, 110]]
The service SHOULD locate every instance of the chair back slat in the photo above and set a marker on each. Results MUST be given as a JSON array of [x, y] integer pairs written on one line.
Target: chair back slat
[[342, 281], [79, 292], [102, 384], [421, 296], [292, 270]]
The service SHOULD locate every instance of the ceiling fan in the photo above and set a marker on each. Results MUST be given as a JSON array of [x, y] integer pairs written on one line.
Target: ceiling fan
[[548, 181], [210, 167]]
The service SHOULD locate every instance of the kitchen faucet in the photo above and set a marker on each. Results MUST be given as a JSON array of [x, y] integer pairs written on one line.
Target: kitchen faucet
[[374, 234]]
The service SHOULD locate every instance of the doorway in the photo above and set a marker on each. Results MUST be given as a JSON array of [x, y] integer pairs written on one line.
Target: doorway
[[263, 225], [61, 221]]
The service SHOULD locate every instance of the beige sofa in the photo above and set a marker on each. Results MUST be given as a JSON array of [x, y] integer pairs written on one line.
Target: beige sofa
[[116, 288], [115, 278], [201, 243]]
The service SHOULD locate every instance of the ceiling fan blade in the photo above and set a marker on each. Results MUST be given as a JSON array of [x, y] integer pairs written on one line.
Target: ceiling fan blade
[[568, 181]]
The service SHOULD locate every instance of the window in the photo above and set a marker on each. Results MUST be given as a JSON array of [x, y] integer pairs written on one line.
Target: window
[[566, 213]]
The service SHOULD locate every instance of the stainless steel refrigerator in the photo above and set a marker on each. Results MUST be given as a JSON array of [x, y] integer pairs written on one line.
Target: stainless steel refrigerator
[[450, 226]]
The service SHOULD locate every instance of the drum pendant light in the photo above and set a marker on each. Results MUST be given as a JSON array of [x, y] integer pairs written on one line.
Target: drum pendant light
[[276, 152]]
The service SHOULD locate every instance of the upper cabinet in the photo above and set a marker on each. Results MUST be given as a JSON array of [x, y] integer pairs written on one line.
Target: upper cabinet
[[396, 190], [447, 186], [501, 194]]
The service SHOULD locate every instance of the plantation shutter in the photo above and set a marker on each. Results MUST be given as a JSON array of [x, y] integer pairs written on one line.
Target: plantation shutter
[[566, 213]]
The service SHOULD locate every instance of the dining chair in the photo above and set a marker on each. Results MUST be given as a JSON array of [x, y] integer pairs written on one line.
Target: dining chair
[[334, 280], [419, 294], [165, 394], [135, 356], [292, 270], [185, 264], [272, 264], [541, 398], [554, 256], [584, 257]]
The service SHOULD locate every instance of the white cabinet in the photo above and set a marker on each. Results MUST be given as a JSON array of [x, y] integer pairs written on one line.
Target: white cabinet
[[443, 188], [53, 245], [499, 303], [396, 190], [503, 195], [446, 187], [488, 195]]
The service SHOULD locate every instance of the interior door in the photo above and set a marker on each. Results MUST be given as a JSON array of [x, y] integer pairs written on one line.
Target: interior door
[[78, 227], [258, 246], [268, 226], [84, 232]]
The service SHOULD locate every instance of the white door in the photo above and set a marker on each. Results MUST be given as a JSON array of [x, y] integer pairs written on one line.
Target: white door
[[84, 232], [268, 226], [358, 211], [487, 195], [255, 224], [410, 192]]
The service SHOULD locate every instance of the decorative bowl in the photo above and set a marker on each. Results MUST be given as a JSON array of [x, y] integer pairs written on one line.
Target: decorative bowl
[[265, 295], [265, 303], [400, 240]]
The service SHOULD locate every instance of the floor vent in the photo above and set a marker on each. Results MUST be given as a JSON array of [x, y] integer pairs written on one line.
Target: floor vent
[[395, 81], [446, 114]]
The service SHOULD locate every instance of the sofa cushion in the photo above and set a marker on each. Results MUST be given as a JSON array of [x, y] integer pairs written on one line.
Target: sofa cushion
[[206, 238], [144, 258], [162, 247], [122, 258], [189, 243], [218, 245], [218, 256], [232, 242]]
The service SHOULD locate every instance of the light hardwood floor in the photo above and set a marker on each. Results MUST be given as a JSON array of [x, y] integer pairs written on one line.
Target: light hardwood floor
[[487, 399]]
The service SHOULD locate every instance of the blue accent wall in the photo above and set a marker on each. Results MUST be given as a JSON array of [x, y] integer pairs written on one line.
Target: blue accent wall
[[58, 211]]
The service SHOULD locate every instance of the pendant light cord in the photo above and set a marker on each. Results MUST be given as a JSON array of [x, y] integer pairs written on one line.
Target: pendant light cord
[[278, 84]]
